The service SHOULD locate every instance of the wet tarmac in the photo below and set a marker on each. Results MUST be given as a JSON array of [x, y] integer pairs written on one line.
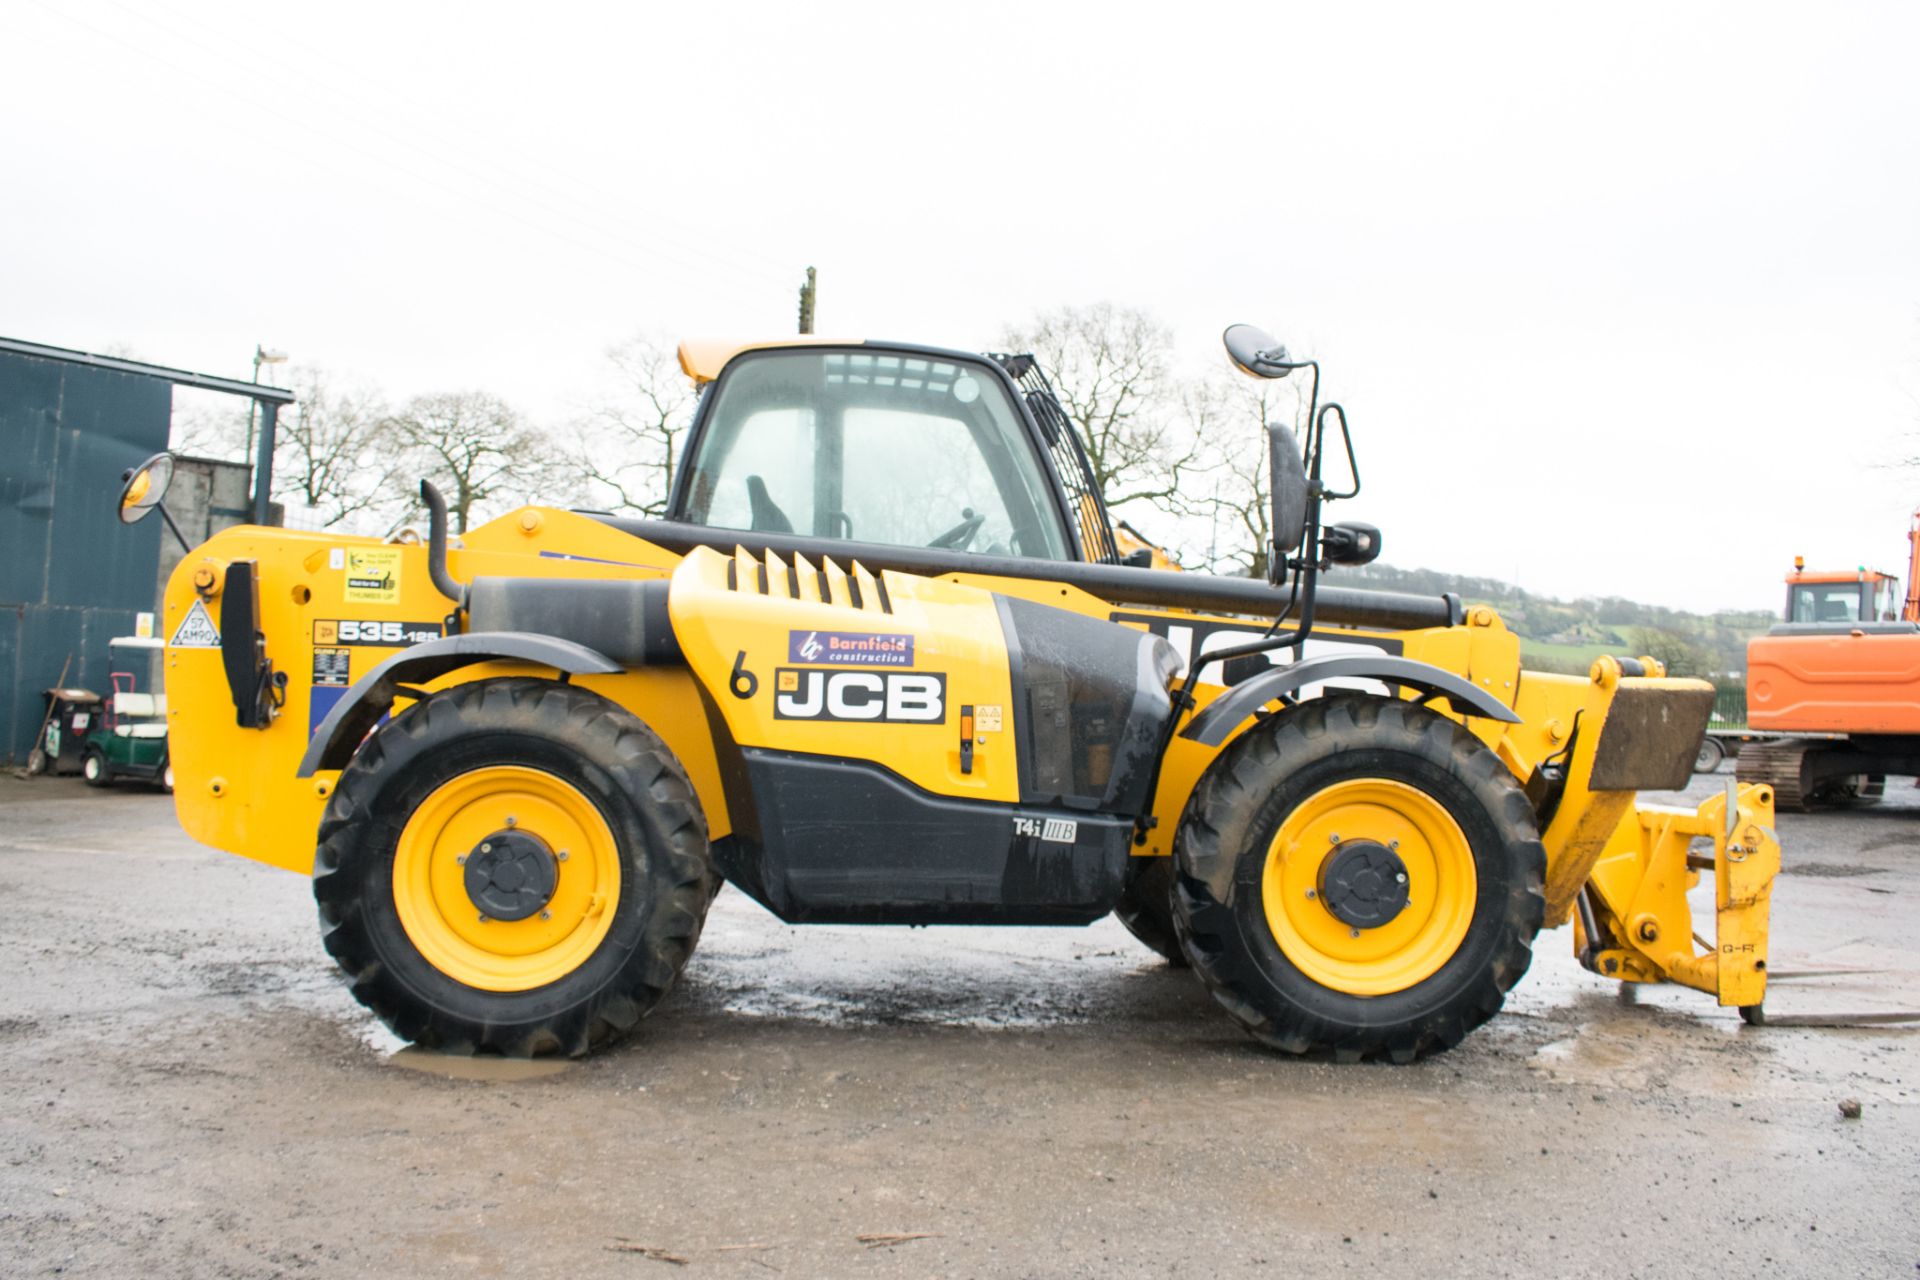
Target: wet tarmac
[[189, 1091]]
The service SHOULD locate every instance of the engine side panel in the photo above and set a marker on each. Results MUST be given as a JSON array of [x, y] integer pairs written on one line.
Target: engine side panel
[[909, 751], [820, 660], [1853, 681]]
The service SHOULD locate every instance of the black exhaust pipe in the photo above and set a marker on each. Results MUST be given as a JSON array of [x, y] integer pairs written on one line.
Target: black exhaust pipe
[[443, 581]]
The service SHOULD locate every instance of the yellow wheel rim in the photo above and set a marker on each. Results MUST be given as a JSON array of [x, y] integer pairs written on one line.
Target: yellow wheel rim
[[1441, 887], [430, 891]]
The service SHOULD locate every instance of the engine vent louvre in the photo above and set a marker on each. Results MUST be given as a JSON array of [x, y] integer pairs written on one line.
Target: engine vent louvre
[[801, 579]]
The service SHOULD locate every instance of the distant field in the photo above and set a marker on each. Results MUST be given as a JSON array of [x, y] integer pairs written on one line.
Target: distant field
[[1567, 657]]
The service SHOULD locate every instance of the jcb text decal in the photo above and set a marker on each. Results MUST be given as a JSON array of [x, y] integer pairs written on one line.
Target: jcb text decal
[[884, 697], [367, 631], [849, 649]]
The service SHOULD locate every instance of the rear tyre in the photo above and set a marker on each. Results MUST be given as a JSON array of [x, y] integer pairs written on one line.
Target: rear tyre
[[1710, 757], [512, 866], [1360, 877], [95, 769], [1146, 908]]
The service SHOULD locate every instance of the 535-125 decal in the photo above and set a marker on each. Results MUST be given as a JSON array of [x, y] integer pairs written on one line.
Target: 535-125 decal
[[368, 631]]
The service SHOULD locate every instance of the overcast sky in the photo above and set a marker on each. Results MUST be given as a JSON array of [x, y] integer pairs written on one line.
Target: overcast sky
[[1622, 301]]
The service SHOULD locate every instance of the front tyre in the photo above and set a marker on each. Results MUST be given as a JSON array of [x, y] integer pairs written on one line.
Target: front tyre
[[95, 769], [1360, 877], [512, 866]]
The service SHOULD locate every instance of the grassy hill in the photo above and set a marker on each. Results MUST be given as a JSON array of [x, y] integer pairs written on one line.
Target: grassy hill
[[1567, 635]]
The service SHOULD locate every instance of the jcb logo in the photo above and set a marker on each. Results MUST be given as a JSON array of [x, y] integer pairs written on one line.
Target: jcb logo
[[887, 697]]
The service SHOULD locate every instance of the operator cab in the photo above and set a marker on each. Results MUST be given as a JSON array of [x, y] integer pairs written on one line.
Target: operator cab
[[909, 447], [1862, 596]]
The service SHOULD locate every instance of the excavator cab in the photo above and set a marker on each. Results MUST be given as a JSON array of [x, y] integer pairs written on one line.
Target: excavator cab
[[1863, 596]]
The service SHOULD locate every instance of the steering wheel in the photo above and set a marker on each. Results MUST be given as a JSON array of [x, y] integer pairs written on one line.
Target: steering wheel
[[958, 537]]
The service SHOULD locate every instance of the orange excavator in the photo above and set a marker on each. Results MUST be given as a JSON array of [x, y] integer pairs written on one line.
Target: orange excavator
[[1838, 680]]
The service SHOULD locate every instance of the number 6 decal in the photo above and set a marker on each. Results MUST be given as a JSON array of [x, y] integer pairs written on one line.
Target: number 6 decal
[[742, 683]]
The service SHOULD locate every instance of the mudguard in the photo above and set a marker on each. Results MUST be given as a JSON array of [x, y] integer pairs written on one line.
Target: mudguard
[[354, 716], [1225, 713]]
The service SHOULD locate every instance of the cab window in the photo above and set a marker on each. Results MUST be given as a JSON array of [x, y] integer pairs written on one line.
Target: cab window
[[1825, 602], [1892, 604], [899, 449]]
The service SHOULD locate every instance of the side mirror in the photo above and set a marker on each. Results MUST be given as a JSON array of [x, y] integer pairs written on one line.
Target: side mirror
[[1256, 353], [1288, 485], [143, 488], [1350, 544]]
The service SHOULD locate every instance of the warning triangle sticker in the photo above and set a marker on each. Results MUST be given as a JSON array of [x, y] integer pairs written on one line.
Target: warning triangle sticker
[[196, 630]]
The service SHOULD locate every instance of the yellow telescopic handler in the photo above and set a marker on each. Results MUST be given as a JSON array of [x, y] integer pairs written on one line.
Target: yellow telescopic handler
[[882, 662]]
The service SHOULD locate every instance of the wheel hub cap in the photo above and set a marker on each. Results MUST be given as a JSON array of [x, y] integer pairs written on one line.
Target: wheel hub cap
[[1314, 896], [1363, 883], [511, 874]]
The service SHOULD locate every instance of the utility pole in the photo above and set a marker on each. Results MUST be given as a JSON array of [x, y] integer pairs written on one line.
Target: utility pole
[[806, 303], [260, 356]]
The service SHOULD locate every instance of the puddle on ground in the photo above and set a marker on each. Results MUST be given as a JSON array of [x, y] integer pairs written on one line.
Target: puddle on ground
[[486, 1070], [946, 976]]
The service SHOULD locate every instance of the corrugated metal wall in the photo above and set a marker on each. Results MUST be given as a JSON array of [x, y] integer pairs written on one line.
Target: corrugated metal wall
[[71, 575]]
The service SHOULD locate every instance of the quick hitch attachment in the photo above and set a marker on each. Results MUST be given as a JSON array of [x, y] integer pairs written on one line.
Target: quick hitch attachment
[[1636, 923]]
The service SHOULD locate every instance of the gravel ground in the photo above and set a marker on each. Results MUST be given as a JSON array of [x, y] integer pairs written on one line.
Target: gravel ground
[[189, 1091]]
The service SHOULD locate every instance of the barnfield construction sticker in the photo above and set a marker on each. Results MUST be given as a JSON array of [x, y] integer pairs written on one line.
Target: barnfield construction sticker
[[196, 630], [373, 575]]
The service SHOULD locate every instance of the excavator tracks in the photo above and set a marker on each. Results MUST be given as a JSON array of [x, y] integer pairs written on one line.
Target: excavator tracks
[[1782, 766], [1787, 766]]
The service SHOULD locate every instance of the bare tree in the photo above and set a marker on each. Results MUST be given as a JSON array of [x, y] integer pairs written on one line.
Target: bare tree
[[336, 451], [476, 443], [627, 448], [1112, 369], [334, 457], [1231, 413]]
